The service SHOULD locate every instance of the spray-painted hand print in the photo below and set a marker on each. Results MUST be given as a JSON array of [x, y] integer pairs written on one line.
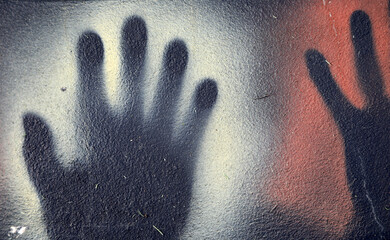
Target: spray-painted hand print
[[366, 131], [135, 179]]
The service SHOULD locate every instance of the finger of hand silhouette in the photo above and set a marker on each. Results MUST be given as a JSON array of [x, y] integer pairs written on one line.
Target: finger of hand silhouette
[[203, 102], [94, 118], [133, 47], [91, 82], [369, 75], [38, 150], [321, 76], [169, 87]]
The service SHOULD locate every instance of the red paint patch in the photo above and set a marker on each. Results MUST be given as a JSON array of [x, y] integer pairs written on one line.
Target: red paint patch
[[311, 171]]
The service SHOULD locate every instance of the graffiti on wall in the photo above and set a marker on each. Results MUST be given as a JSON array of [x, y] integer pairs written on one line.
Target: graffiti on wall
[[131, 164], [281, 135], [364, 130]]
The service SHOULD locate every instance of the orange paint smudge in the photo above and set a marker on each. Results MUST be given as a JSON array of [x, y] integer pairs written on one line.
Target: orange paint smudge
[[311, 174]]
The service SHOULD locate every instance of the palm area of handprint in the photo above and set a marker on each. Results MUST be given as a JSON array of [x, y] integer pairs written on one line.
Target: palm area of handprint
[[365, 131], [135, 179]]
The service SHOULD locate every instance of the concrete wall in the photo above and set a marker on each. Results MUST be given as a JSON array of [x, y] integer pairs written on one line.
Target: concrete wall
[[194, 120]]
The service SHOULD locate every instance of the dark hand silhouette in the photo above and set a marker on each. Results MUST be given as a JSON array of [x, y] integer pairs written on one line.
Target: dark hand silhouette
[[135, 179], [366, 131]]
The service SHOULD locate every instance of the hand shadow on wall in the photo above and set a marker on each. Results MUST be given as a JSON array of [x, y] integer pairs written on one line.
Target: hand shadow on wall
[[365, 131], [135, 180]]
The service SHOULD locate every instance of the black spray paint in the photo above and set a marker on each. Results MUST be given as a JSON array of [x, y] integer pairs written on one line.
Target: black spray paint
[[365, 132], [135, 179]]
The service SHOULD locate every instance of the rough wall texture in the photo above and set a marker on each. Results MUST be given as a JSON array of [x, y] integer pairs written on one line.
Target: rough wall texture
[[194, 120]]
